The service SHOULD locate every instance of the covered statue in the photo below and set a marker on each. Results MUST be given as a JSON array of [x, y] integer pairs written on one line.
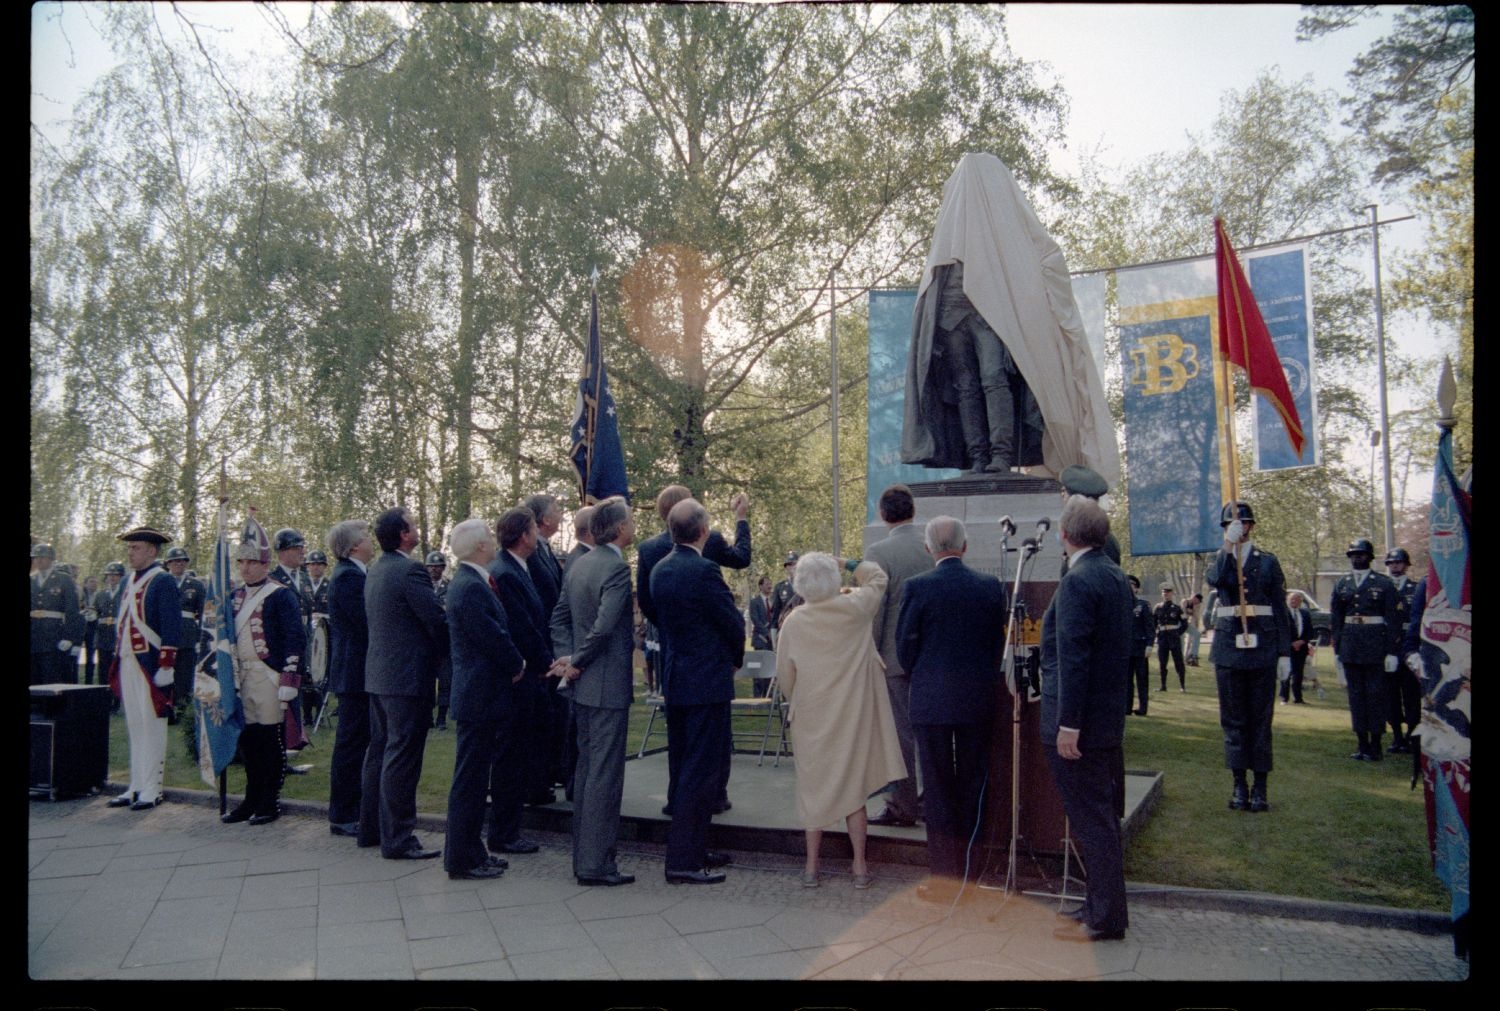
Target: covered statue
[[1000, 374]]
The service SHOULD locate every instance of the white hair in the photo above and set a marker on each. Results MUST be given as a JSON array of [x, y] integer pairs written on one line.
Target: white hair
[[468, 537], [816, 577], [345, 537], [944, 533]]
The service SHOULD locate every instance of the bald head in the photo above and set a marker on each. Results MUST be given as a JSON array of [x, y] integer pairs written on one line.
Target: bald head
[[688, 522]]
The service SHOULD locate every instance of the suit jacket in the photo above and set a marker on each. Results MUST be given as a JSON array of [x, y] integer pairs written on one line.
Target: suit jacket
[[900, 556], [408, 633], [594, 625], [576, 552], [703, 636], [760, 623], [484, 658], [1305, 633], [719, 551], [1086, 635], [949, 638], [527, 620], [348, 634], [546, 574]]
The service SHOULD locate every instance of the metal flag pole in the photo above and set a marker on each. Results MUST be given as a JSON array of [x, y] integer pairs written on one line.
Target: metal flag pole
[[1385, 421], [1014, 663]]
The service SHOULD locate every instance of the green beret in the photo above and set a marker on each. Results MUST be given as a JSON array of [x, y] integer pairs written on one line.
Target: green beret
[[1078, 480]]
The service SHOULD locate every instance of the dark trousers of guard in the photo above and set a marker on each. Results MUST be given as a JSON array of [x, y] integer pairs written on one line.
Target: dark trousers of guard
[[1138, 683], [1247, 699], [1367, 706], [1293, 684], [1171, 645]]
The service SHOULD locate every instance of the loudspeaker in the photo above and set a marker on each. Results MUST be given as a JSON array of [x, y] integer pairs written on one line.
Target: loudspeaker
[[69, 738]]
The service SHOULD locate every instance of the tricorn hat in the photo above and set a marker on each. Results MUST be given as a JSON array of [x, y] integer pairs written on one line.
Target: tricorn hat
[[147, 534]]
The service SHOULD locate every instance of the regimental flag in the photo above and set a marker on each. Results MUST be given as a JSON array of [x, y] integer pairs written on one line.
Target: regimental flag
[[596, 431], [1447, 713], [1244, 339], [220, 717]]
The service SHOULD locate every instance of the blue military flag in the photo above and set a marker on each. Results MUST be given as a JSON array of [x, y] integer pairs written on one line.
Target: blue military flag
[[596, 431], [220, 717]]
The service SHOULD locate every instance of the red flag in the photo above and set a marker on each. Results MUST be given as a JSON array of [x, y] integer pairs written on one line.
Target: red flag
[[1244, 339]]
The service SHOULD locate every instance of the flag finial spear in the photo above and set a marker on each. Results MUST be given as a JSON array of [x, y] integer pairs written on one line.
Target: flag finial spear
[[594, 277], [1447, 395]]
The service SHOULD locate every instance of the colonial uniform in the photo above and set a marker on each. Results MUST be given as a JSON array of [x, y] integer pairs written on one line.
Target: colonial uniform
[[1246, 674], [1366, 631], [1170, 622], [268, 646], [56, 620], [148, 628], [1142, 631]]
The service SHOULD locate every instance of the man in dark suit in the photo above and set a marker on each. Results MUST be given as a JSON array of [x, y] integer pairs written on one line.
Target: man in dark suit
[[949, 637], [1086, 643], [1301, 632], [1142, 632], [703, 643], [718, 551], [593, 640], [546, 575], [902, 556], [760, 627], [408, 639], [348, 640], [519, 773], [486, 666], [583, 539]]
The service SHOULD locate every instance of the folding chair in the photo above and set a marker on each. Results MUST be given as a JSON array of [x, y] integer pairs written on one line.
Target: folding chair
[[761, 664]]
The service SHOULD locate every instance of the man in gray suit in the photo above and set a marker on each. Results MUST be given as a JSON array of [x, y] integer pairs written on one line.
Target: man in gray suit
[[408, 639], [901, 555], [593, 640]]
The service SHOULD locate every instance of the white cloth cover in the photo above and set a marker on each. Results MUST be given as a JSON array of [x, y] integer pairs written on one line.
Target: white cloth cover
[[1016, 277]]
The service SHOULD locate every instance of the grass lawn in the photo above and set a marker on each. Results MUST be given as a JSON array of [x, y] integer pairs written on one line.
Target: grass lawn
[[1338, 830]]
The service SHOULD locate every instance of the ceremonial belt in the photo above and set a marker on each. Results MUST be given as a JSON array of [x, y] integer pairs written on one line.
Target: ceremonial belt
[[1233, 610], [48, 614], [190, 614], [1360, 619], [106, 621], [1167, 628], [320, 614]]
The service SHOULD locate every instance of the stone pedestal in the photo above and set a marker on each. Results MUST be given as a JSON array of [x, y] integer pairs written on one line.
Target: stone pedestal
[[980, 502]]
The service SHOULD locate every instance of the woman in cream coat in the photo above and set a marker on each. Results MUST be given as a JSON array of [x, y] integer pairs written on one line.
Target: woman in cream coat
[[844, 738]]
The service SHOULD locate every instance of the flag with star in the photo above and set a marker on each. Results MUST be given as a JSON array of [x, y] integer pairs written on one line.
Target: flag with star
[[596, 430], [220, 715]]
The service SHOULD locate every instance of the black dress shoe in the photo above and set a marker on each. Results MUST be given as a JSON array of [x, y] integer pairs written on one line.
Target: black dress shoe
[[1082, 932], [495, 861], [713, 858], [414, 851], [1239, 800], [520, 844], [295, 770], [609, 880], [1075, 914], [348, 828], [1258, 802], [542, 799], [266, 818], [145, 805], [123, 800], [887, 817], [235, 816], [704, 877], [722, 806], [483, 872], [1360, 756]]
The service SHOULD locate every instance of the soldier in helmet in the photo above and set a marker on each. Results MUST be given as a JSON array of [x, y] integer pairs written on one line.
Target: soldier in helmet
[[1366, 641], [107, 603], [290, 548], [1403, 691], [193, 594], [57, 623], [437, 564], [1252, 648]]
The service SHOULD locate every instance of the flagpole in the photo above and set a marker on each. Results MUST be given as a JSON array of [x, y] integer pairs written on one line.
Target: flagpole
[[1227, 420], [219, 548], [591, 367]]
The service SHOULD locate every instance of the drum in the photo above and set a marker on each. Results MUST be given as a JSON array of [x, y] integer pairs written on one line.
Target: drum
[[317, 653]]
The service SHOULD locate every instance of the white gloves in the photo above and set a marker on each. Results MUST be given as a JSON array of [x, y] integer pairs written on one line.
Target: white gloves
[[1234, 532], [286, 693], [1414, 664], [163, 677], [1338, 667], [1283, 668], [1390, 664], [63, 645]]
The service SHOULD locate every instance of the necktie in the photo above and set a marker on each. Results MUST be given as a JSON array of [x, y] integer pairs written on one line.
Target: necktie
[[494, 586]]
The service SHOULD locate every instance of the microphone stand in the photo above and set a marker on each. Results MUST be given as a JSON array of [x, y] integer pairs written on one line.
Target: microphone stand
[[1014, 663]]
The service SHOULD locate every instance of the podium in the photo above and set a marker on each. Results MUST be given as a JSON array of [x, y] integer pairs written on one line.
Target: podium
[[69, 739]]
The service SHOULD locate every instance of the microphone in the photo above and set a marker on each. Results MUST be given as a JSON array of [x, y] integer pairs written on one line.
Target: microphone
[[1031, 544], [1042, 526], [1008, 526]]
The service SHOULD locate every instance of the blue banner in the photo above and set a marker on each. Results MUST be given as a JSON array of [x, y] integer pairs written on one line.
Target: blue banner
[[220, 719], [890, 343], [1282, 293], [596, 454], [1171, 441]]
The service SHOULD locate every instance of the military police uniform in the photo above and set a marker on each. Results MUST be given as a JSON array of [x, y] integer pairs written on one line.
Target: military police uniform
[[1403, 689], [1366, 640], [1142, 631], [1246, 669], [57, 623], [107, 603], [193, 595], [1170, 622], [316, 592], [783, 598]]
